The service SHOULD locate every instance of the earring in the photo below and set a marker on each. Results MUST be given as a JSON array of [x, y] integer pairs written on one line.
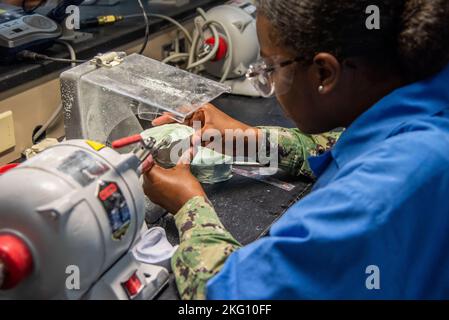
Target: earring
[[321, 89]]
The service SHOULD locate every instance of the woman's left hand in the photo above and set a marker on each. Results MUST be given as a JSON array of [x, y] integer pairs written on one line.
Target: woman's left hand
[[171, 188]]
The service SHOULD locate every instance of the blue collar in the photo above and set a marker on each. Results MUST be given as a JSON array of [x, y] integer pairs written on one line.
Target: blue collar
[[423, 98]]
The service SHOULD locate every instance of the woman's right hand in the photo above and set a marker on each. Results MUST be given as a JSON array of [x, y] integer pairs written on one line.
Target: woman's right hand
[[210, 118]]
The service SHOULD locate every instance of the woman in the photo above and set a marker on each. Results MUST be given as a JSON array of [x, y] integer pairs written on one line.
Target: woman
[[376, 224]]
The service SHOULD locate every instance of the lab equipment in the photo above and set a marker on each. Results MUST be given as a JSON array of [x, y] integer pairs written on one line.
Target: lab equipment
[[104, 99], [19, 31], [242, 45], [224, 44], [69, 220]]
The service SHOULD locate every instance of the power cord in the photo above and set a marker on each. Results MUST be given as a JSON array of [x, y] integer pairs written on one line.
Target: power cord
[[58, 111], [70, 49], [164, 17], [34, 56], [191, 56], [211, 24], [147, 27]]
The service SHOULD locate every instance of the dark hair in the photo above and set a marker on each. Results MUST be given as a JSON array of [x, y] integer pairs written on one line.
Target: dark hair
[[414, 34]]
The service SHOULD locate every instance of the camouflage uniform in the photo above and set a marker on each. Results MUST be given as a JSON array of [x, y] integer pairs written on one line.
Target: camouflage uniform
[[205, 243], [295, 147]]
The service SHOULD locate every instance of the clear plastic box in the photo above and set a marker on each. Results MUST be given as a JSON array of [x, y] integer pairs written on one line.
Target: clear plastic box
[[104, 104]]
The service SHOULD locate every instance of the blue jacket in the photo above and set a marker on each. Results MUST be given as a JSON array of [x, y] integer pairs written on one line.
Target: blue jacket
[[376, 225]]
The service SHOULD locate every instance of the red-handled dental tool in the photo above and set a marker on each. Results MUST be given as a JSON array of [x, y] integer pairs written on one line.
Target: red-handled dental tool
[[121, 143]]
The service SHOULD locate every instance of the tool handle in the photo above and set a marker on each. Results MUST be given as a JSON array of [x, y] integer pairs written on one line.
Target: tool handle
[[121, 143]]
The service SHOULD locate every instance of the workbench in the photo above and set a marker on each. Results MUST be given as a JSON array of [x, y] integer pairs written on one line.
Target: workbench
[[246, 207]]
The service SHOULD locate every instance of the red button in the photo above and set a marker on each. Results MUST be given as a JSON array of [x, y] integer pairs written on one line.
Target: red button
[[222, 48], [17, 260], [108, 191], [133, 285]]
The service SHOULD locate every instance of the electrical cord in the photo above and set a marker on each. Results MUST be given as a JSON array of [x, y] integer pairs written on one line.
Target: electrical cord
[[147, 27], [176, 23], [58, 111], [61, 60], [194, 41], [200, 33], [70, 49], [229, 59], [176, 56], [54, 116], [30, 55], [193, 64], [194, 50], [164, 17]]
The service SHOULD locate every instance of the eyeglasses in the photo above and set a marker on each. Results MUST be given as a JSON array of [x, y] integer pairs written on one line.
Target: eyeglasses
[[260, 74]]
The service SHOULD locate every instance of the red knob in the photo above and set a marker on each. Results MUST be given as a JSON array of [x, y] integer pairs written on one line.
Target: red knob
[[16, 259], [222, 47]]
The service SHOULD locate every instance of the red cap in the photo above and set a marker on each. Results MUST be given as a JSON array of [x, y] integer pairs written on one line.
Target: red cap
[[222, 47], [16, 258]]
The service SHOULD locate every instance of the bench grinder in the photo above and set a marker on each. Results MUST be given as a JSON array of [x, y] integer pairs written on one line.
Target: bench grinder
[[69, 219]]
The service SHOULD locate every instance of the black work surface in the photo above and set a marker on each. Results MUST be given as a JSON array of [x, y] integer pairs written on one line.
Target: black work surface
[[104, 39], [246, 207]]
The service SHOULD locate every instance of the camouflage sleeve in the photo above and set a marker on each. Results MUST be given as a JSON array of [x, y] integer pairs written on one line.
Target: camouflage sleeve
[[296, 147], [205, 246]]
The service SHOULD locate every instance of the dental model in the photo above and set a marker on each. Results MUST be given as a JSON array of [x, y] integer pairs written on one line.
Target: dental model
[[208, 166]]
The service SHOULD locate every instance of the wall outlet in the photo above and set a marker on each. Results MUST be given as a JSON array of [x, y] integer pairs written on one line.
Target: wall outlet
[[7, 135]]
